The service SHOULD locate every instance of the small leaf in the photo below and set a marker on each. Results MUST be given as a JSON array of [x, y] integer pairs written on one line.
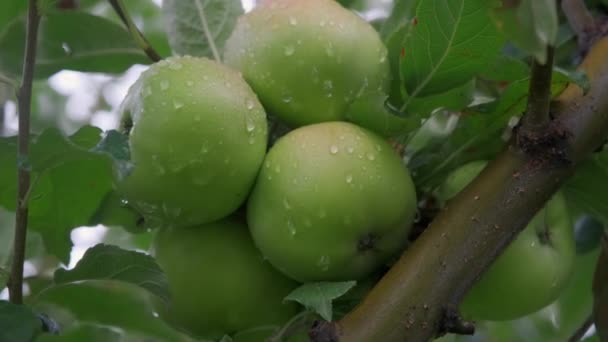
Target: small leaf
[[115, 144], [200, 27], [318, 297], [70, 40], [450, 43], [18, 323], [110, 262], [577, 77]]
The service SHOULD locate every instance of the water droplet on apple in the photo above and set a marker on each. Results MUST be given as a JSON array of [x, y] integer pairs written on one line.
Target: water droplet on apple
[[249, 124], [324, 262], [289, 50], [164, 85], [177, 104], [292, 228]]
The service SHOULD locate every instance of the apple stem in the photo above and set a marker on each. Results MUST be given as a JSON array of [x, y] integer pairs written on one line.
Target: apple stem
[[24, 97]]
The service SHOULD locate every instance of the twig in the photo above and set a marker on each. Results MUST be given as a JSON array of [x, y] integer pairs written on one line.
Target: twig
[[24, 98], [582, 330], [455, 324], [139, 38], [539, 95]]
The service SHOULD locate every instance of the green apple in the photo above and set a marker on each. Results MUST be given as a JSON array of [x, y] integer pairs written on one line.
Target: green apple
[[219, 282], [262, 334], [534, 268], [333, 201], [307, 59], [197, 137]]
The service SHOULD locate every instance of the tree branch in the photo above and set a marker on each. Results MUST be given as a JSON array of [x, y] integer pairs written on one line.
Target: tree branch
[[24, 98], [436, 271], [139, 38]]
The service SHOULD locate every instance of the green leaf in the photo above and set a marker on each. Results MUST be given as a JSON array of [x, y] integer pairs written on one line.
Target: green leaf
[[10, 10], [450, 43], [577, 77], [107, 302], [402, 13], [66, 197], [530, 24], [318, 297], [506, 69], [115, 144], [18, 323], [71, 40], [587, 190], [68, 183], [114, 212], [478, 135], [52, 148], [85, 332], [110, 262], [454, 99], [370, 111], [200, 27]]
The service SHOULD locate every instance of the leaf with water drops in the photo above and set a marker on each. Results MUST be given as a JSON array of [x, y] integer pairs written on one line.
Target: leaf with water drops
[[200, 27], [71, 40]]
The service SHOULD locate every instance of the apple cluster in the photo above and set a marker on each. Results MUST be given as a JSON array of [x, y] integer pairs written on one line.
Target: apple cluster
[[243, 223]]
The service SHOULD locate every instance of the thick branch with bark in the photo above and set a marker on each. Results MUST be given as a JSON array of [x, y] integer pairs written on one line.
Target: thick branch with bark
[[433, 275]]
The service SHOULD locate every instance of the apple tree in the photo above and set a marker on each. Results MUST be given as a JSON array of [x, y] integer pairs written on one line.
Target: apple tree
[[303, 170]]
